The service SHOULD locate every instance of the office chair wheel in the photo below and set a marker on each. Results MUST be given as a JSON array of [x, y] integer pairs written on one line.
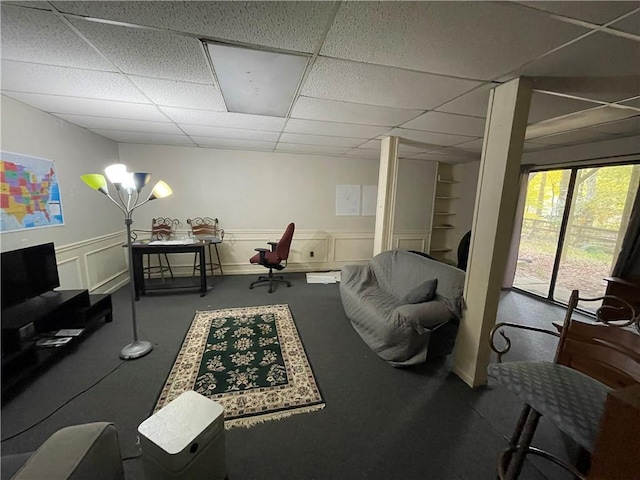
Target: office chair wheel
[[250, 287], [271, 290]]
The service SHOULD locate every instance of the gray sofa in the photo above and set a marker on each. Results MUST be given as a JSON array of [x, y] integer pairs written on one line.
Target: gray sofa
[[80, 452], [404, 306]]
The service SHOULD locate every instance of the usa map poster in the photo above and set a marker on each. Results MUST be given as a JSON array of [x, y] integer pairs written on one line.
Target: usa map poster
[[29, 193]]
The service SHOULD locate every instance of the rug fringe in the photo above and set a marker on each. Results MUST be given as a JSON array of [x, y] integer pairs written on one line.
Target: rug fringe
[[255, 420]]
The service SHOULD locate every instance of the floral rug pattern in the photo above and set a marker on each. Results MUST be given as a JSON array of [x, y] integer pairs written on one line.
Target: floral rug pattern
[[250, 360]]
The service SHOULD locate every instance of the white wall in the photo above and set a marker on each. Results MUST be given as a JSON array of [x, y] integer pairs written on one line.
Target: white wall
[[89, 245], [255, 195]]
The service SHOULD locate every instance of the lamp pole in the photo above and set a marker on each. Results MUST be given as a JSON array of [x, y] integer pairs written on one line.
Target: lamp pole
[[138, 348], [131, 184]]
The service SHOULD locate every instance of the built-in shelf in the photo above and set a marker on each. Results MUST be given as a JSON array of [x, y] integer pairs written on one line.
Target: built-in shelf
[[446, 181], [446, 198], [444, 213], [441, 249], [442, 227]]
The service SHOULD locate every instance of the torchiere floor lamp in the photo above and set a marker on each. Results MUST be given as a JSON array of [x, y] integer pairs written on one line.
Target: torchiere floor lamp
[[128, 186]]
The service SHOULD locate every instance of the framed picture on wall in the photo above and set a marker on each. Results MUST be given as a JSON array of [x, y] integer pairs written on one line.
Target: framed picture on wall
[[29, 193]]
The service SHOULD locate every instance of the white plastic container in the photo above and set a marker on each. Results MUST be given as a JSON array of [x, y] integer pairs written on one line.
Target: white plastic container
[[184, 440]]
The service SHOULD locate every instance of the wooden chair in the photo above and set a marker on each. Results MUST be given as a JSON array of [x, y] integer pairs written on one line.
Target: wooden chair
[[162, 228], [592, 360], [207, 230]]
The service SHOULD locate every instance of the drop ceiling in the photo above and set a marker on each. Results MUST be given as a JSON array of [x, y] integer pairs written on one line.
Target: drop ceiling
[[139, 72]]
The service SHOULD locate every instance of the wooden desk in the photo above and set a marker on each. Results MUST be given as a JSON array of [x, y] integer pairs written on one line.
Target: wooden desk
[[140, 249]]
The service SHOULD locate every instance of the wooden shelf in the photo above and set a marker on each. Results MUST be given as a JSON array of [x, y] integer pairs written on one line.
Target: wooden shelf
[[440, 249], [446, 198], [445, 213], [442, 227], [447, 181]]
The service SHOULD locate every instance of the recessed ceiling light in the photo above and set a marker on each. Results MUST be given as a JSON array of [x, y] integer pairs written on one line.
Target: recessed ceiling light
[[256, 81]]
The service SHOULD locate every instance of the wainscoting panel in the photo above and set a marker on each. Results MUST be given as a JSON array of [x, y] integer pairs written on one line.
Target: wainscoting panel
[[70, 273], [100, 264]]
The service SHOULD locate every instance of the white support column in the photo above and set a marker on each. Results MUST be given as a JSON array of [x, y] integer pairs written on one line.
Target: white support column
[[387, 183], [496, 199]]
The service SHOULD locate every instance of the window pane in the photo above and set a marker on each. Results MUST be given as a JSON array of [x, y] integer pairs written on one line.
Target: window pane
[[544, 207], [602, 202]]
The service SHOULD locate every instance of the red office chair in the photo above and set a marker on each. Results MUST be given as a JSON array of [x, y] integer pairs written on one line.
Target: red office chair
[[273, 259]]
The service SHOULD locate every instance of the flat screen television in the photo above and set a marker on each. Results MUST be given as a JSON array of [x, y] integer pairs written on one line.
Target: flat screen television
[[27, 273]]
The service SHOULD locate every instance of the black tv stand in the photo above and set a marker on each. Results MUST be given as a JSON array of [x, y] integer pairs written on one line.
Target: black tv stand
[[25, 323]]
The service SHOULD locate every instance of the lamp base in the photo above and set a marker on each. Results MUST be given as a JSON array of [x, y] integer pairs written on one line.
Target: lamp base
[[135, 350]]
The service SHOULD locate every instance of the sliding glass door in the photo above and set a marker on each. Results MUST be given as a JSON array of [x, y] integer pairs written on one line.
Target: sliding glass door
[[573, 226]]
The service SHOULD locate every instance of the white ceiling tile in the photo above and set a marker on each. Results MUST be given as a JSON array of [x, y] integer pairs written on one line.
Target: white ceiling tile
[[89, 106], [288, 25], [432, 138], [574, 138], [632, 102], [224, 119], [321, 140], [448, 123], [474, 146], [474, 103], [630, 126], [598, 55], [373, 144], [363, 153], [403, 148], [149, 53], [631, 24], [145, 138], [335, 111], [544, 106], [378, 85], [73, 82], [103, 123], [333, 129], [318, 149], [237, 133], [233, 143], [594, 12], [39, 36], [172, 93], [419, 36], [434, 157]]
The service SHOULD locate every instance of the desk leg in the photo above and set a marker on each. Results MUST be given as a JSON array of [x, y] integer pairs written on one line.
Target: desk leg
[[203, 272], [138, 273]]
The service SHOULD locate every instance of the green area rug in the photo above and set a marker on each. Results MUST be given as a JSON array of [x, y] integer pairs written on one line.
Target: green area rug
[[250, 360]]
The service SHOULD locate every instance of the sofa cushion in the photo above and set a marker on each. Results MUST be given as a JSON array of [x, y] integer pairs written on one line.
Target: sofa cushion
[[421, 293]]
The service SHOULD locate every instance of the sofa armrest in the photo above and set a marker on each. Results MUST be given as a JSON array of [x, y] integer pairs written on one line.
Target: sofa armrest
[[424, 316], [78, 452]]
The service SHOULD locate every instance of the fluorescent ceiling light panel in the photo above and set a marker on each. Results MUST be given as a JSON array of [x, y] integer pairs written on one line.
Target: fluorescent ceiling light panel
[[256, 81]]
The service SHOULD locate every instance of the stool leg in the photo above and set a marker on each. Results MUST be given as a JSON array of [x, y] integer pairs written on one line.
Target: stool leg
[[210, 259], [169, 266], [523, 443], [195, 261], [219, 262], [160, 267]]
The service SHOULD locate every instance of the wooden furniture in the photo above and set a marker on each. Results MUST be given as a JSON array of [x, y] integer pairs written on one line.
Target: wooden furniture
[[140, 249], [162, 228], [592, 360], [616, 453], [207, 231], [25, 323], [627, 290]]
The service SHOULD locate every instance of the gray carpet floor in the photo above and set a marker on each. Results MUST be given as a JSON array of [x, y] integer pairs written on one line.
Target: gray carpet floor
[[379, 422]]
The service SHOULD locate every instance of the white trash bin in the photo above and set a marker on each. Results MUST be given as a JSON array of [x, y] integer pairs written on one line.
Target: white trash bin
[[184, 440]]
